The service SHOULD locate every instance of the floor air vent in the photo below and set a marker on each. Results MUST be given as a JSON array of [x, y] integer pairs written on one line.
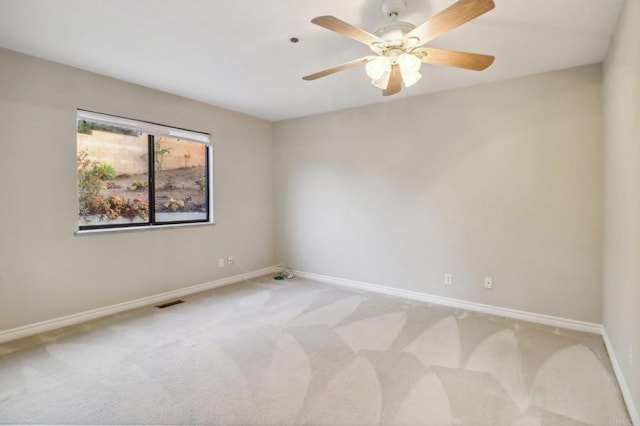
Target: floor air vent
[[166, 305]]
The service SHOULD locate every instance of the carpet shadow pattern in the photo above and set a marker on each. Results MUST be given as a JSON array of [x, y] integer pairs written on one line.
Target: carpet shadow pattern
[[302, 352]]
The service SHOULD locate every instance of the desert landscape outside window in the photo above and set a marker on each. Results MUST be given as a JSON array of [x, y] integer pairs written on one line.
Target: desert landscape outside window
[[138, 174]]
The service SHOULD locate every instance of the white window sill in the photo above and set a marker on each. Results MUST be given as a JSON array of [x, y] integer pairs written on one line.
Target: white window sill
[[140, 228]]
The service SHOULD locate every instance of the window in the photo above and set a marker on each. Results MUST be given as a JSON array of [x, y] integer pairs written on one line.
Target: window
[[137, 174]]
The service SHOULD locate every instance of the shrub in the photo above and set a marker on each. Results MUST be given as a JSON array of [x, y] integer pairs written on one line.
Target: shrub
[[104, 171], [138, 185], [89, 185], [138, 208], [114, 206], [169, 183], [174, 205], [91, 200], [202, 183], [159, 152], [84, 127]]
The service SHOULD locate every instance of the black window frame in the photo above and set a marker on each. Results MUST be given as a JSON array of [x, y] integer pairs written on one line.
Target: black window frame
[[152, 221]]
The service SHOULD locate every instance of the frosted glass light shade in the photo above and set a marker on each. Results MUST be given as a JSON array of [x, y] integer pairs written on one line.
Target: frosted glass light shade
[[410, 69], [409, 63], [383, 81], [378, 67], [410, 79]]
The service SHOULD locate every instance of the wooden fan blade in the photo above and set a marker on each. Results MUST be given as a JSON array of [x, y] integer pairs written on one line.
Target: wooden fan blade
[[335, 69], [334, 24], [452, 58], [452, 17], [395, 82]]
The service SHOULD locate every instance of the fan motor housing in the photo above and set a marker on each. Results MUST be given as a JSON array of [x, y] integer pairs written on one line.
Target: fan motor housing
[[394, 30], [393, 33]]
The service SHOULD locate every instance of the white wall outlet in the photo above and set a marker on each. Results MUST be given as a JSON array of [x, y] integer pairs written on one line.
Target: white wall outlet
[[230, 260], [630, 354], [221, 262], [448, 279], [488, 282]]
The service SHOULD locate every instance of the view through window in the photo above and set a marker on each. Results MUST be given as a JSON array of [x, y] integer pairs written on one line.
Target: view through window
[[132, 173]]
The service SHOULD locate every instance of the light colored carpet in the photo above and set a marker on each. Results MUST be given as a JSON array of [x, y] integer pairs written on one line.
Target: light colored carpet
[[298, 352]]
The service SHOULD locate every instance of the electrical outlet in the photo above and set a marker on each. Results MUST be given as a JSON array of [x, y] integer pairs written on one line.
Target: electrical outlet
[[221, 262], [488, 282], [630, 354], [230, 260], [448, 279]]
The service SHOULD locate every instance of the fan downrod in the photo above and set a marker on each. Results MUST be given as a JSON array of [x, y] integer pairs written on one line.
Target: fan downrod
[[392, 7]]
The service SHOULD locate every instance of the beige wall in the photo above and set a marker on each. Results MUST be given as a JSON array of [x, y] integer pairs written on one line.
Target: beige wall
[[500, 180], [46, 271], [622, 195]]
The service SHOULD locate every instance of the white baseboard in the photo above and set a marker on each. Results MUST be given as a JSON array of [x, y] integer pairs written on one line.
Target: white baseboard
[[41, 327], [461, 304], [624, 387]]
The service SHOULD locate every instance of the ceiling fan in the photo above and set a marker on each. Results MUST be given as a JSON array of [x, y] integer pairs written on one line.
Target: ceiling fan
[[398, 45]]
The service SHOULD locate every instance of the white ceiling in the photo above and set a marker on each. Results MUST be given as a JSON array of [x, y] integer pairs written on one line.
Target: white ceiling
[[237, 54]]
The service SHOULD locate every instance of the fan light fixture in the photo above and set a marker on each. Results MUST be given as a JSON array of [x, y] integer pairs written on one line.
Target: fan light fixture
[[379, 69], [398, 47]]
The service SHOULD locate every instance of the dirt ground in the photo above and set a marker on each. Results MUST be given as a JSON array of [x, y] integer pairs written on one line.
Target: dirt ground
[[179, 184]]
